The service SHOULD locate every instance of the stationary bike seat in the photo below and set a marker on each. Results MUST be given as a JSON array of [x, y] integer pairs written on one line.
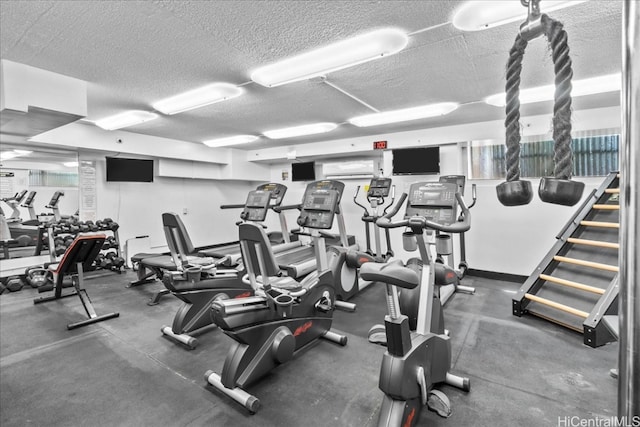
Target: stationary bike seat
[[393, 273]]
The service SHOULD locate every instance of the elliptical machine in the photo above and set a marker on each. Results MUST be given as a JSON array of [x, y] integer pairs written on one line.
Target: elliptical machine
[[379, 189], [415, 361], [285, 315]]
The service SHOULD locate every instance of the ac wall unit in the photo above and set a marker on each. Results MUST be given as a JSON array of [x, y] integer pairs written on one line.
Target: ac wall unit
[[349, 169]]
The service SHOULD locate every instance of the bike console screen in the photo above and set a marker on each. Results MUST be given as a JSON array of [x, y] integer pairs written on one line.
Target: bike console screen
[[436, 201], [255, 209], [318, 209], [277, 192]]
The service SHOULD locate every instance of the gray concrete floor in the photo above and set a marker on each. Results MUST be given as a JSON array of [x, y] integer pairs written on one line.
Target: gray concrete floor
[[122, 372]]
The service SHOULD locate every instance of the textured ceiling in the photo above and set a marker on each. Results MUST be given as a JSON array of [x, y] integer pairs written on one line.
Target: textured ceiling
[[134, 53]]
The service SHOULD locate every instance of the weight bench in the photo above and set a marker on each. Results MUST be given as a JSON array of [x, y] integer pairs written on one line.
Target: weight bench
[[78, 257]]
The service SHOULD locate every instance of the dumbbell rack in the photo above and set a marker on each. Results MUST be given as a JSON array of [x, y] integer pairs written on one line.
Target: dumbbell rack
[[52, 246]]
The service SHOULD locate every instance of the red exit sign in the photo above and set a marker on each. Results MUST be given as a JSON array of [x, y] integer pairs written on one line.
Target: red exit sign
[[380, 145]]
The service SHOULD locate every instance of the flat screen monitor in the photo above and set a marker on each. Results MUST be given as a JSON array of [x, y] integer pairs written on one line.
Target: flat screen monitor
[[416, 161], [303, 171], [129, 170]]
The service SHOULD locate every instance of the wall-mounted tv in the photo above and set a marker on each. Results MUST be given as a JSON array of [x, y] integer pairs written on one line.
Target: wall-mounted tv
[[303, 171], [416, 161], [129, 170]]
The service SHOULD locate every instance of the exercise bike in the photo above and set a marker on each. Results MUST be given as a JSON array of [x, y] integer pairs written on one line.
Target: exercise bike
[[415, 361], [463, 266], [199, 281], [285, 315], [442, 203]]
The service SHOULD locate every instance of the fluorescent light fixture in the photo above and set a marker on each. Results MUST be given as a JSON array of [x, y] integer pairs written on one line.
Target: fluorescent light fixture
[[232, 140], [71, 164], [311, 129], [333, 57], [128, 118], [7, 155], [478, 15], [591, 86], [206, 95], [404, 115]]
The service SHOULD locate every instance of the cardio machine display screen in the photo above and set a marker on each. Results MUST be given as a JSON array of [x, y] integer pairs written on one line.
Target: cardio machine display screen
[[257, 201], [319, 200]]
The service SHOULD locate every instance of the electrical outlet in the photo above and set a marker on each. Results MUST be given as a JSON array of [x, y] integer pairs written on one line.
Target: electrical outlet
[[185, 211]]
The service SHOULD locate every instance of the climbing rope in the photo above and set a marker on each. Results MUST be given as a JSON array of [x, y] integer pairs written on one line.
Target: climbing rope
[[563, 156]]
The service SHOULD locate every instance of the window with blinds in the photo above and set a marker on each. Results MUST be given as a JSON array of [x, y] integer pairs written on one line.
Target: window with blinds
[[593, 155], [43, 178]]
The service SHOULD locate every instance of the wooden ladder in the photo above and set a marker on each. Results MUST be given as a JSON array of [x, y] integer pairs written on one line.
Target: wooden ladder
[[575, 285]]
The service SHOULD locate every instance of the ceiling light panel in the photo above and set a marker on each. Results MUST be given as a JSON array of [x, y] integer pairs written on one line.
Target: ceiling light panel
[[206, 95], [232, 140], [478, 15], [128, 118], [583, 87], [333, 57], [404, 115], [7, 155], [310, 129]]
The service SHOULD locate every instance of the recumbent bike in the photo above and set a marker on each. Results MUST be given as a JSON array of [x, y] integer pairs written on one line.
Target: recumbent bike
[[285, 315]]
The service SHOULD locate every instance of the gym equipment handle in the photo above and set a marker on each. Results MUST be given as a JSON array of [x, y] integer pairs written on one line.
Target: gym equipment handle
[[396, 208], [355, 200], [279, 209], [421, 222], [238, 206]]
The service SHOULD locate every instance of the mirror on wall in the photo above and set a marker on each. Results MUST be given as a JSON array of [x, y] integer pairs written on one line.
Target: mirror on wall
[[38, 176]]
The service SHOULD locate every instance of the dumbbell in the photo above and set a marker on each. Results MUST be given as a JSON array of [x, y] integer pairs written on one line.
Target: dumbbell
[[114, 226], [3, 288], [110, 242], [100, 224], [106, 262], [73, 228], [68, 240], [92, 226], [116, 261], [14, 283], [59, 246], [83, 227], [98, 261]]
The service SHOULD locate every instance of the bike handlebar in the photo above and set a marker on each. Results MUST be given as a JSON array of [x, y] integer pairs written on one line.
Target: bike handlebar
[[393, 197], [281, 208], [396, 208], [419, 222], [238, 206]]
